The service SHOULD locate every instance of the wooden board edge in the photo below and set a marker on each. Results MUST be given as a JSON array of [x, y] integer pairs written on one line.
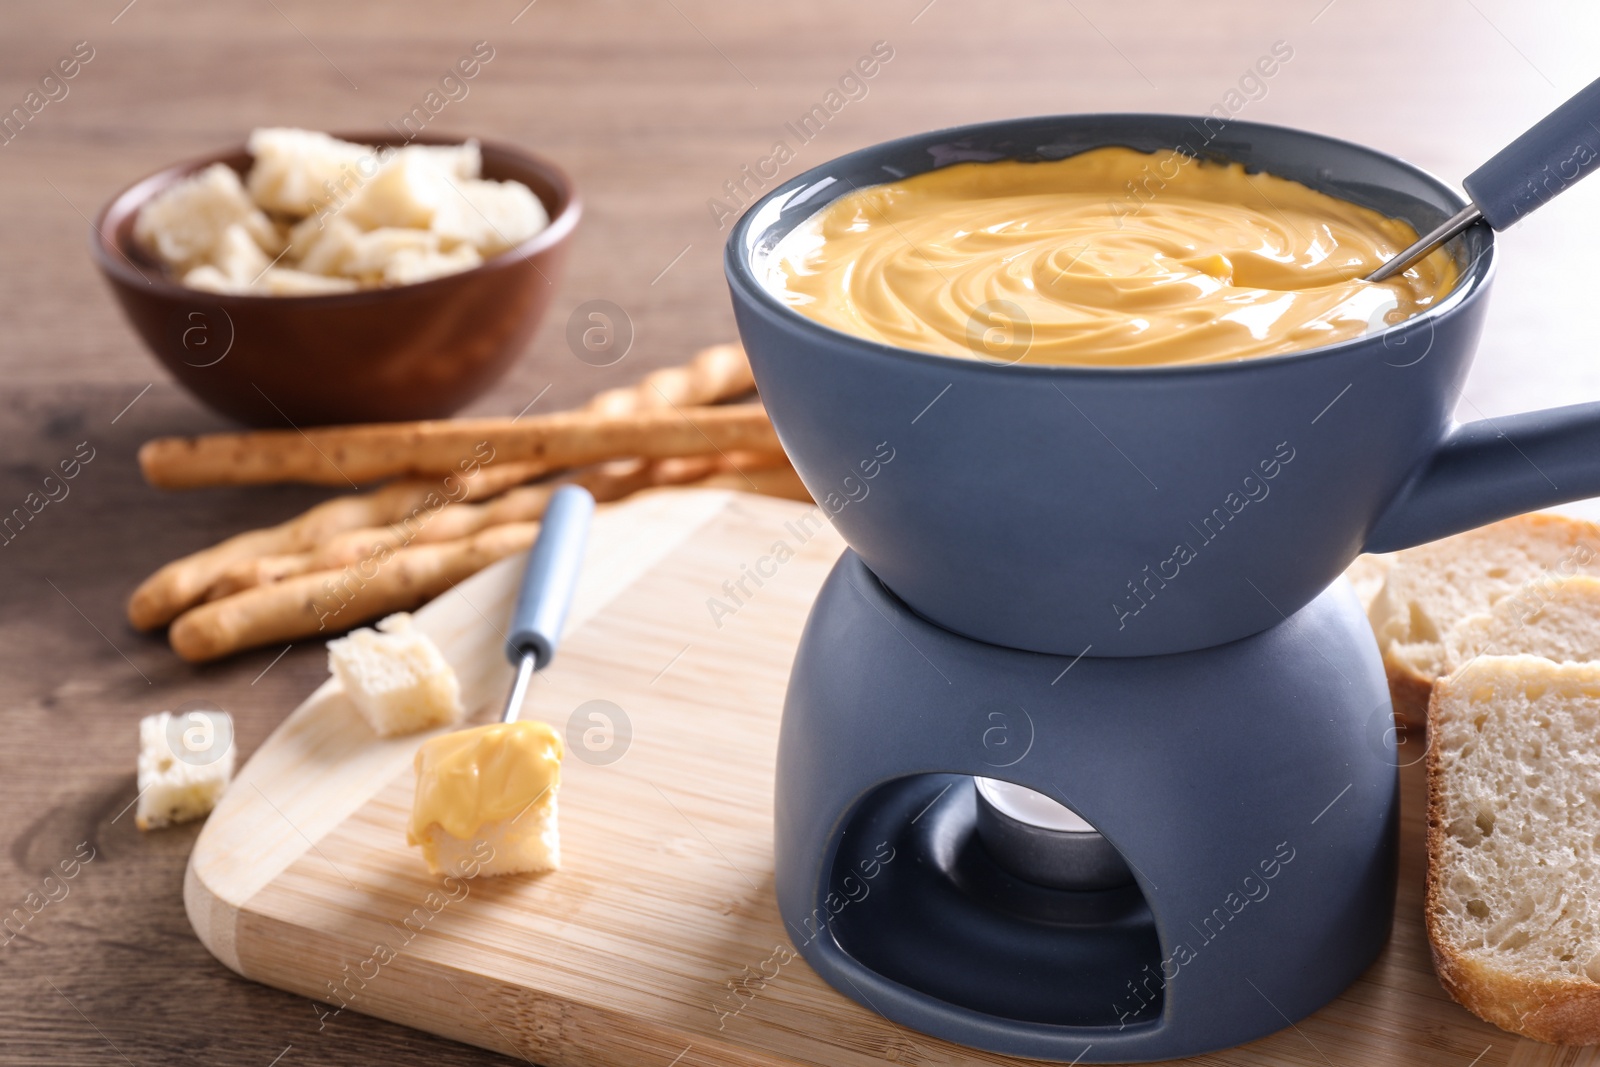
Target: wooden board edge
[[212, 918], [547, 1030]]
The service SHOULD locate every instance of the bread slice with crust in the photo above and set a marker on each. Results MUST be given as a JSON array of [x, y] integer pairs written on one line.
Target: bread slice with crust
[[1513, 893], [1560, 623], [1432, 589], [1367, 573]]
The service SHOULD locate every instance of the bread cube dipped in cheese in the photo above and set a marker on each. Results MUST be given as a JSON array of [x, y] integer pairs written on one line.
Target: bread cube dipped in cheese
[[182, 781], [396, 677], [485, 800], [185, 225], [490, 216]]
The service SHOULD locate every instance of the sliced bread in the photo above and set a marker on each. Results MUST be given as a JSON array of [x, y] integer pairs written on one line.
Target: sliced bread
[[1560, 623], [1367, 575], [1513, 893], [1432, 589]]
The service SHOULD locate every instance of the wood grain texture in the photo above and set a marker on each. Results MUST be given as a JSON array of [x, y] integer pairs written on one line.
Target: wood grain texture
[[301, 878], [636, 100]]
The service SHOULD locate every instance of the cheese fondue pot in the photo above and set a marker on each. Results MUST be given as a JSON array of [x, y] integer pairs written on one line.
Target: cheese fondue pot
[[1144, 510]]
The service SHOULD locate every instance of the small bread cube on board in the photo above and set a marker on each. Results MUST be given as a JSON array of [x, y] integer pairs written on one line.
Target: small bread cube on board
[[396, 677], [178, 784], [486, 800]]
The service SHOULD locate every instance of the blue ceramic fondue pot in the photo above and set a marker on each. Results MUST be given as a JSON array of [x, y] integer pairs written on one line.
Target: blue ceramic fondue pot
[[1144, 510]]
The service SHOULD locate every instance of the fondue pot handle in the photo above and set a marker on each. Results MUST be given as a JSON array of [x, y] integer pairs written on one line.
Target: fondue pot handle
[[1493, 469], [1555, 154]]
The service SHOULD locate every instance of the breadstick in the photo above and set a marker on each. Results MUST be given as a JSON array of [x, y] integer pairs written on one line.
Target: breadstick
[[610, 481], [453, 522], [720, 372], [331, 600], [607, 482], [328, 602], [492, 479], [181, 583], [717, 373], [779, 481], [264, 570], [353, 454]]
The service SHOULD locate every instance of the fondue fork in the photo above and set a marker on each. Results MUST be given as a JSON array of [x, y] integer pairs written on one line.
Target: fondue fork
[[548, 582], [1554, 155]]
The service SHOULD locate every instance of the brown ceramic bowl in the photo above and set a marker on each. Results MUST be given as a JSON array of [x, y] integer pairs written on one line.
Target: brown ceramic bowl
[[408, 352]]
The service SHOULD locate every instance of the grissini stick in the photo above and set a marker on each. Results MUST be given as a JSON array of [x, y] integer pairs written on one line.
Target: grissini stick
[[326, 602], [715, 374], [1559, 151], [607, 481], [183, 582], [718, 373], [330, 602], [779, 481], [350, 455]]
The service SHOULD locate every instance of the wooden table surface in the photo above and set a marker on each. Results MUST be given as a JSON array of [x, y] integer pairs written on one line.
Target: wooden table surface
[[652, 106]]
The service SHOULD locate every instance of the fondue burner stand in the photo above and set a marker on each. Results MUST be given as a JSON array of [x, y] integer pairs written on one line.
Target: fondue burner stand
[[1087, 860]]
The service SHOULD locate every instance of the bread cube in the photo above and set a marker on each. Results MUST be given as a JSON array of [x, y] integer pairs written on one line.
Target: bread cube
[[489, 216], [405, 192], [184, 224], [324, 245], [486, 800], [396, 677], [239, 257], [285, 281], [211, 280], [298, 171], [183, 782], [462, 161], [370, 254], [407, 266]]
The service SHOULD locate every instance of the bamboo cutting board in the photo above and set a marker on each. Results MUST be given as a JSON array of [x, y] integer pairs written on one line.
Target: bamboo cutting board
[[653, 944]]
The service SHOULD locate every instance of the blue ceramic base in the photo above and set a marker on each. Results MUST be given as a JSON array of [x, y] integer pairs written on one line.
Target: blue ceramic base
[[1250, 787]]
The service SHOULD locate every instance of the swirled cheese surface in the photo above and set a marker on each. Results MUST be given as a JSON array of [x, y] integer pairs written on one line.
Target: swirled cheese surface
[[1113, 257]]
